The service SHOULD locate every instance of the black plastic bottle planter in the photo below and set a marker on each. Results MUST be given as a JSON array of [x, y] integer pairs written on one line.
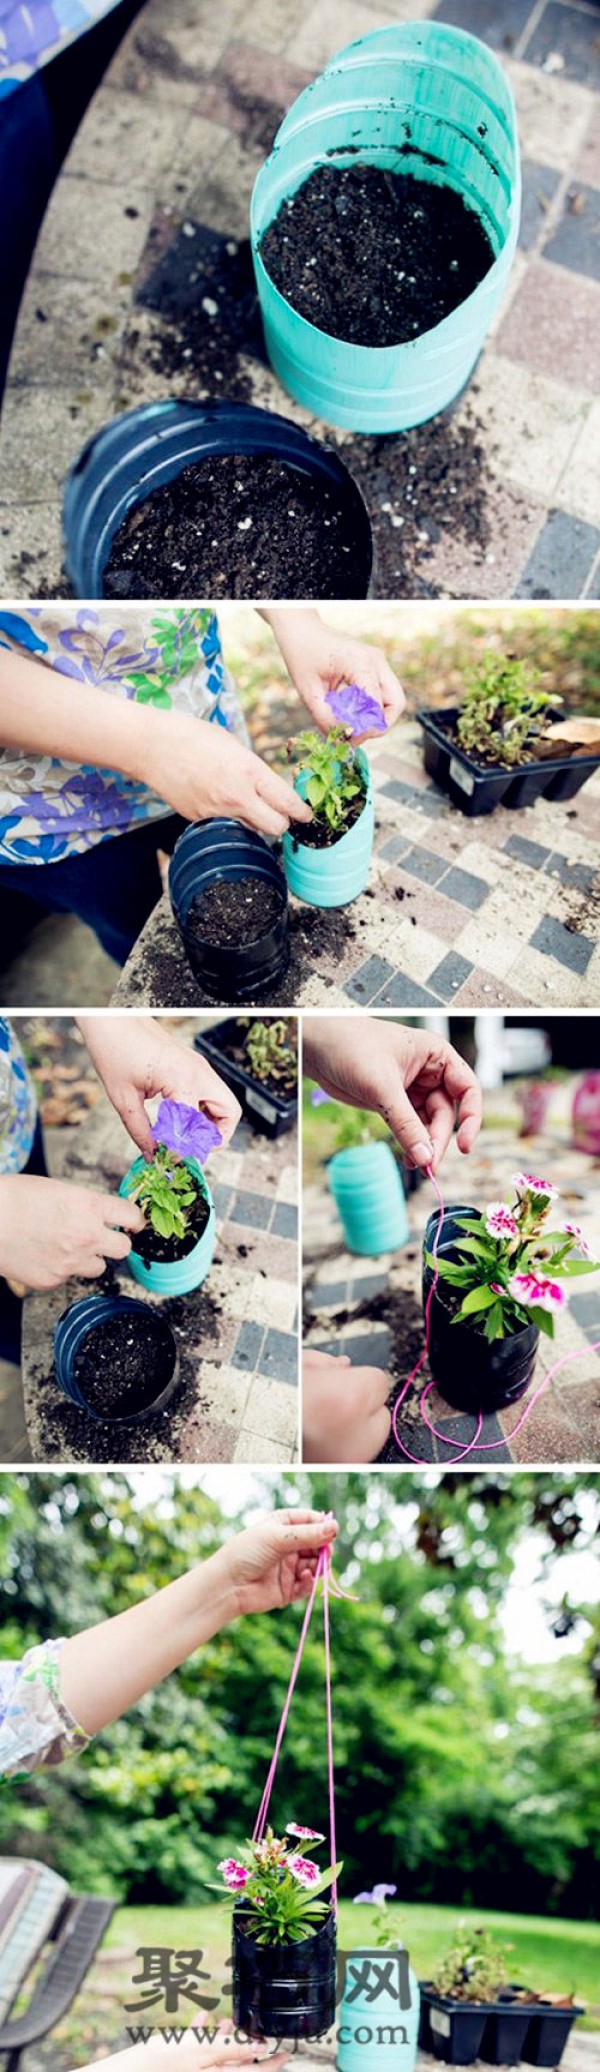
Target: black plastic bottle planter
[[470, 1374], [214, 850], [475, 789], [284, 1990], [505, 2031], [148, 447], [78, 1324], [268, 1110]]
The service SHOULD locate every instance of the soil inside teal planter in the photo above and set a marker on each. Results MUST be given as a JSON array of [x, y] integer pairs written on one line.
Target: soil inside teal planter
[[124, 1365], [375, 257], [155, 1250], [317, 834], [236, 525]]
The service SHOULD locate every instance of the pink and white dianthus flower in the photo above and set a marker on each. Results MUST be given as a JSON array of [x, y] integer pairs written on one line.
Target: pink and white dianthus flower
[[574, 1230], [530, 1183], [303, 1870], [234, 1874], [303, 1834], [535, 1291], [498, 1220]]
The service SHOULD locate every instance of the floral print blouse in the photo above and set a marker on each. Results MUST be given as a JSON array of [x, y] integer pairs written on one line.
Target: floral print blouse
[[50, 809], [36, 1728], [32, 31], [17, 1103]]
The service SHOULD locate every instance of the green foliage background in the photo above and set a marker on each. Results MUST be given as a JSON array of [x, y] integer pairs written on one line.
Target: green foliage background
[[463, 1776]]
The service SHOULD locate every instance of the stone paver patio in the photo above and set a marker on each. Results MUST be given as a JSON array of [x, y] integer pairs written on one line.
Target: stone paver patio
[[371, 1308], [167, 153], [501, 911], [237, 1335]]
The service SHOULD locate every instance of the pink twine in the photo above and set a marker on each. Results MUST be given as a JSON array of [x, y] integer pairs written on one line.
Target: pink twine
[[323, 1573], [489, 1446]]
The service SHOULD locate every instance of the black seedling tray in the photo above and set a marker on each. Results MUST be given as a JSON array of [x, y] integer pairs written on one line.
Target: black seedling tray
[[269, 1112], [506, 2031], [476, 790]]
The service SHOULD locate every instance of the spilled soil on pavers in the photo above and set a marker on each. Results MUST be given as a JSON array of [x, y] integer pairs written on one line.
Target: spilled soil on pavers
[[314, 932], [401, 1311], [375, 257], [418, 485]]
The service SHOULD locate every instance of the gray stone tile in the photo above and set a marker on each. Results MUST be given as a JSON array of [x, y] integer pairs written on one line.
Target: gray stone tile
[[253, 1209], [404, 992], [395, 789], [367, 1348], [539, 186], [526, 851], [285, 1220], [575, 242], [424, 864], [581, 876], [571, 32], [450, 974], [247, 1347], [328, 1295], [586, 1309], [222, 1197], [363, 1286], [459, 1430], [369, 979], [562, 558], [395, 849], [554, 940], [498, 26], [279, 1357], [465, 887]]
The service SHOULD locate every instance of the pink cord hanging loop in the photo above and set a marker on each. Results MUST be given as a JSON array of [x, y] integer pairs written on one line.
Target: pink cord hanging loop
[[322, 1573]]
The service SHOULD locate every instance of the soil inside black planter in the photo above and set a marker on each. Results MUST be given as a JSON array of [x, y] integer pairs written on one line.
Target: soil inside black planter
[[233, 912], [154, 1249], [317, 834], [236, 526], [374, 257], [124, 1365]]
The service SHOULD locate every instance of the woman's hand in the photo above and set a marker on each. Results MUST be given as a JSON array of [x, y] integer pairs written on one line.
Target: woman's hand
[[345, 1414], [274, 1562], [50, 1229], [320, 660], [203, 772], [413, 1078], [138, 1058], [193, 2053]]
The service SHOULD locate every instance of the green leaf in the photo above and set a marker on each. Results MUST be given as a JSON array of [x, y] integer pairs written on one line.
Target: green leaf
[[315, 792], [543, 1320], [479, 1298]]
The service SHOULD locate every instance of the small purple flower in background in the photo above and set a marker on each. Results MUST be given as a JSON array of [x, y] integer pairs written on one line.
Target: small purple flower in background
[[305, 1872], [318, 1097], [356, 709], [536, 1291], [528, 1183], [185, 1131], [303, 1834], [574, 1230], [377, 1897], [498, 1220]]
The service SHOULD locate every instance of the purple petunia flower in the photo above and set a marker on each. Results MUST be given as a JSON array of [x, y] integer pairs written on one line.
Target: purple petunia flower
[[186, 1131], [318, 1097], [356, 709], [377, 1897]]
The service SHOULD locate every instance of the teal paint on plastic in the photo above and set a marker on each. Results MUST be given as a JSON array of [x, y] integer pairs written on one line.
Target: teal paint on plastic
[[332, 877], [375, 2033], [424, 98], [367, 1190], [180, 1276]]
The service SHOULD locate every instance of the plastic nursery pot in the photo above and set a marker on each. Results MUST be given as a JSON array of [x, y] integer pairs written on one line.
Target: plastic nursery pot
[[477, 790], [470, 1374], [367, 1190], [177, 1276], [418, 98], [268, 1110], [459, 2031], [548, 2034], [332, 877], [204, 854], [78, 1323], [378, 2024], [284, 1990], [144, 448]]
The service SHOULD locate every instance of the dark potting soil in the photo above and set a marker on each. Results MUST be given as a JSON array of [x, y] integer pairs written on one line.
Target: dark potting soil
[[540, 751], [235, 526], [319, 835], [124, 1365], [156, 1250], [375, 257], [233, 912]]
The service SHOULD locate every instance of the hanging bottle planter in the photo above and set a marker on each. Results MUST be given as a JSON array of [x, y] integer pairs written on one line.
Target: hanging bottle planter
[[423, 100]]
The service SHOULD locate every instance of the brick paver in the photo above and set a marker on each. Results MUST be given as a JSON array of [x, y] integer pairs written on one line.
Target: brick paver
[[169, 148], [343, 1313]]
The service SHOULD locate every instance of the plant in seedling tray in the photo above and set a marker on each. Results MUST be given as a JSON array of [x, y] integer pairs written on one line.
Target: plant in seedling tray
[[270, 1053], [502, 745], [175, 1249], [505, 712], [470, 2011]]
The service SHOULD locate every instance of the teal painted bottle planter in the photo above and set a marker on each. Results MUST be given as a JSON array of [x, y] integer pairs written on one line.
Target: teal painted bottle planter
[[332, 877], [420, 98], [179, 1276], [369, 1196], [378, 2030]]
